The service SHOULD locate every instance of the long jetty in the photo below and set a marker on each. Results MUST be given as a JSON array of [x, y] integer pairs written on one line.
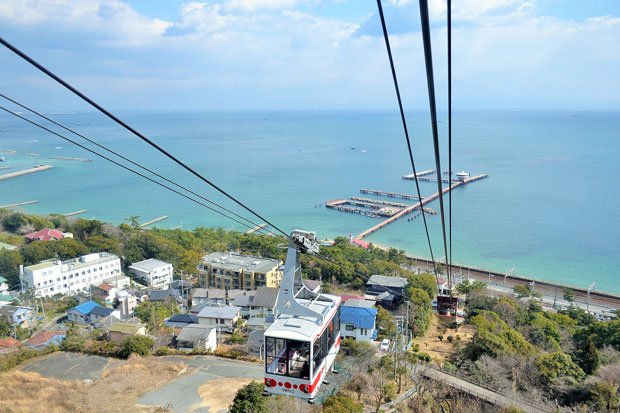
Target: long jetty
[[18, 204], [420, 204], [256, 228], [153, 221], [70, 214], [388, 194], [37, 168]]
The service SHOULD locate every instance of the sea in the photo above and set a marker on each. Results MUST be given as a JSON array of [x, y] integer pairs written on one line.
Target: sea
[[549, 209]]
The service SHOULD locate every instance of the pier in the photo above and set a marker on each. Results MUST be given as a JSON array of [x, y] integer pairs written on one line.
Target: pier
[[388, 194], [70, 214], [37, 168], [11, 151], [421, 203], [70, 158], [18, 204], [411, 177], [153, 221], [376, 201], [256, 228]]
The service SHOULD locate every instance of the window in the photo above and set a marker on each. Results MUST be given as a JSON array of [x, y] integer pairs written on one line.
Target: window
[[364, 332], [349, 327], [287, 357]]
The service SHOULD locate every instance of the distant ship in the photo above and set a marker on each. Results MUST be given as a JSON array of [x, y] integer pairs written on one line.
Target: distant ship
[[2, 159], [461, 176]]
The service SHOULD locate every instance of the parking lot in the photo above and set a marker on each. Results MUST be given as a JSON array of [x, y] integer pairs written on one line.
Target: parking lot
[[71, 366]]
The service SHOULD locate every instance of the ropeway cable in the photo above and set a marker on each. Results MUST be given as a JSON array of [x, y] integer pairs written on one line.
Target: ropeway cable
[[129, 160], [121, 165], [428, 59], [136, 133], [449, 12], [404, 122]]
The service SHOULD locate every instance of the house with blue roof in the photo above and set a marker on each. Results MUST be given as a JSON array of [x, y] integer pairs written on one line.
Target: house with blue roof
[[89, 312], [358, 320]]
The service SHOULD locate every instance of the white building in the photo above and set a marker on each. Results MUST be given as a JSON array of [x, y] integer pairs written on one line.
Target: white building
[[72, 276], [220, 317], [153, 272]]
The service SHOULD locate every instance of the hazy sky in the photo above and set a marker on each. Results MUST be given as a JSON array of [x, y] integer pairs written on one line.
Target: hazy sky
[[318, 54]]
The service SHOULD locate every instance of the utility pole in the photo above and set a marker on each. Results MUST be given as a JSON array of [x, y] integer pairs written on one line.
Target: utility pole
[[590, 288]]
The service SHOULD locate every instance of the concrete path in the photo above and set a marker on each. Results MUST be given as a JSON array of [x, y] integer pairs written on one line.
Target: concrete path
[[181, 395]]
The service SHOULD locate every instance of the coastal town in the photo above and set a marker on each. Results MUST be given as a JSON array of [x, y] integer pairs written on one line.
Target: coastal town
[[70, 307]]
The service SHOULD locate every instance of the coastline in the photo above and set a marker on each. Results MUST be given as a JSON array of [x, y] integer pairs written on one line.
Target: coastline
[[494, 278]]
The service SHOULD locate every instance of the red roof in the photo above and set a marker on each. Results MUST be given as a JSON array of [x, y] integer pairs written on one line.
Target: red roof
[[46, 234], [361, 243], [44, 337], [346, 297], [9, 342], [105, 287]]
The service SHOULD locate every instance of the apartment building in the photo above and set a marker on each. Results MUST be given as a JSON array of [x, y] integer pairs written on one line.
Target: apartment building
[[230, 271], [153, 273], [72, 276]]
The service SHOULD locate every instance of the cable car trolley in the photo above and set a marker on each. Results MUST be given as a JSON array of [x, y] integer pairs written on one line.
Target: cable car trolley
[[302, 343]]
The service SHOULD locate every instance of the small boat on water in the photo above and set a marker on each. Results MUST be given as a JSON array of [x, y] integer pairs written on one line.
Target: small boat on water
[[2, 159], [461, 176]]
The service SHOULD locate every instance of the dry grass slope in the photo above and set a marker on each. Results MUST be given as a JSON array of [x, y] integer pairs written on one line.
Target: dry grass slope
[[117, 390]]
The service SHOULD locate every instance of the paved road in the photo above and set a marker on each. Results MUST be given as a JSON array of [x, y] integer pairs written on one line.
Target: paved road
[[478, 391], [182, 393], [70, 366]]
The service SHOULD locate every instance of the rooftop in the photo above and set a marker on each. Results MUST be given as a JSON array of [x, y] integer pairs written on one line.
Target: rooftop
[[193, 333], [85, 308], [45, 337], [149, 265], [101, 311], [5, 246], [265, 297], [358, 303], [9, 342], [360, 317], [125, 328], [162, 295], [46, 234], [225, 312], [236, 262], [385, 281]]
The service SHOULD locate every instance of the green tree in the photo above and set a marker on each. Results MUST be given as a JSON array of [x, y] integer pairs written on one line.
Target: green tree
[[523, 290], [140, 345], [9, 266], [468, 287], [5, 328], [426, 282], [604, 397], [569, 295], [340, 403], [386, 323], [558, 364], [13, 222], [249, 399], [420, 310], [588, 357], [153, 314]]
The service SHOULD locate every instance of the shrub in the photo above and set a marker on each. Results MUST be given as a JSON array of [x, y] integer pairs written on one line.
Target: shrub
[[458, 337], [440, 337], [249, 398], [140, 345], [163, 351], [340, 403], [450, 339]]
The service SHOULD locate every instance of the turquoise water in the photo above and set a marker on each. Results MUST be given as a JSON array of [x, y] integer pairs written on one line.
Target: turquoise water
[[550, 207]]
